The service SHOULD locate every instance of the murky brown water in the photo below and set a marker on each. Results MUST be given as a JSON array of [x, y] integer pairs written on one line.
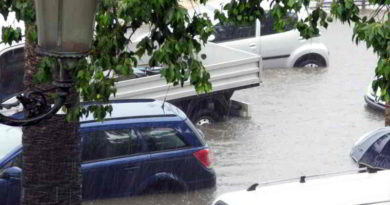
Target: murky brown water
[[304, 122]]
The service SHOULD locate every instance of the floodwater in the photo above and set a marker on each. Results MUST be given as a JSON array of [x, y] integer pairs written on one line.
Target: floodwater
[[304, 122]]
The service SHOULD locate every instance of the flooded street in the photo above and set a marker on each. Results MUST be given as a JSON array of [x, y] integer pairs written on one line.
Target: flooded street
[[304, 122]]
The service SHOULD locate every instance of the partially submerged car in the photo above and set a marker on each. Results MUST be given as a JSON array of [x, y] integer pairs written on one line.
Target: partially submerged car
[[149, 145], [278, 49], [373, 149], [232, 71], [372, 99], [346, 189]]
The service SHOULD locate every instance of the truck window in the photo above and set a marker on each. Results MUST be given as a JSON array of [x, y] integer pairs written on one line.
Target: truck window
[[162, 138], [229, 32], [104, 144]]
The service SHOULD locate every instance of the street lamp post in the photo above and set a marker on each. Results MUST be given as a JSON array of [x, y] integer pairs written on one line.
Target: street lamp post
[[65, 31]]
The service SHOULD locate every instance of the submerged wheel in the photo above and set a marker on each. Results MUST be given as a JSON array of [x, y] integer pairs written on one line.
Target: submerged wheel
[[310, 61], [165, 186], [205, 117]]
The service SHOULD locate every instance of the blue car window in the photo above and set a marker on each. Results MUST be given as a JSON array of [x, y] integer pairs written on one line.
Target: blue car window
[[162, 138], [377, 149], [15, 162], [105, 144], [386, 148]]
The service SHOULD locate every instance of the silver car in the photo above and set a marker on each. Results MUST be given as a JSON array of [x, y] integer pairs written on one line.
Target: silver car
[[278, 49], [372, 99]]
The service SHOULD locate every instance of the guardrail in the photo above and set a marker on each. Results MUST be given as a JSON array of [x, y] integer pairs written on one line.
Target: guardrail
[[327, 3]]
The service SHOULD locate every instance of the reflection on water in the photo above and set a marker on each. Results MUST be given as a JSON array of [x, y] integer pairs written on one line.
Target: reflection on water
[[373, 114], [304, 121]]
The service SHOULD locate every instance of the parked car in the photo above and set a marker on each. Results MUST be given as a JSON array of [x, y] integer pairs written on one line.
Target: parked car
[[344, 189], [147, 144], [11, 65], [373, 149], [372, 99], [278, 49]]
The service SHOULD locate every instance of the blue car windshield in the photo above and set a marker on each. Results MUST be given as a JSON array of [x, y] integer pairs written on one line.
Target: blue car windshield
[[10, 138]]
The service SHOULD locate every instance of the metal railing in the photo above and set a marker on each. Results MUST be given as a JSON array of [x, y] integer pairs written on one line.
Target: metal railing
[[327, 3]]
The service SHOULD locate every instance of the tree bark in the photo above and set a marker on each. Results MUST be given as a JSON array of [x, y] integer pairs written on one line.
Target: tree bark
[[387, 114], [51, 151]]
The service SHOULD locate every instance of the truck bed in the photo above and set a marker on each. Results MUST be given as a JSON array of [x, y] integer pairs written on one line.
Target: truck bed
[[230, 69]]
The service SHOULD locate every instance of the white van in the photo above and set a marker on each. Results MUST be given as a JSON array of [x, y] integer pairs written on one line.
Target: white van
[[347, 189]]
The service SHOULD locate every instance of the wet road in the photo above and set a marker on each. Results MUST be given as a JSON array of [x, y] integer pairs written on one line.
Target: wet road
[[304, 122]]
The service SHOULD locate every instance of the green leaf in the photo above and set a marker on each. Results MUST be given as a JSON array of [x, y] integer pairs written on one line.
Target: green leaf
[[290, 3]]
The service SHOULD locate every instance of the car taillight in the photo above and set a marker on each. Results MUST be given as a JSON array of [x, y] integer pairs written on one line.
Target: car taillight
[[204, 156]]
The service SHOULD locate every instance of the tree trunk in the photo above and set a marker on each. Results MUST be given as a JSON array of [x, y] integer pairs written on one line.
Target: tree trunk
[[387, 114], [51, 152]]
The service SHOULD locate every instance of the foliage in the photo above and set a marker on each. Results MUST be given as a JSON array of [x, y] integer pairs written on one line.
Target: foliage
[[24, 10], [175, 41]]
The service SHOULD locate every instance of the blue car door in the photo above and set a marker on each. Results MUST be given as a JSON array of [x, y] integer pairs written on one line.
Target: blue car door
[[112, 160], [10, 187], [3, 190], [9, 191], [169, 153], [14, 190]]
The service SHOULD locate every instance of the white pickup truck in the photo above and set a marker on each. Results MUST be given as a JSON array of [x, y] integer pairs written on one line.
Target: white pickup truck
[[230, 70]]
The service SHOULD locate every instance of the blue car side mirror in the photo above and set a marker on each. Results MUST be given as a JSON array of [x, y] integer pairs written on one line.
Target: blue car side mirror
[[12, 173]]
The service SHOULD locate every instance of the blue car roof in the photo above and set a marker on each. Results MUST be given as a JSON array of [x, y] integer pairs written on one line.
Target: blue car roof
[[143, 108]]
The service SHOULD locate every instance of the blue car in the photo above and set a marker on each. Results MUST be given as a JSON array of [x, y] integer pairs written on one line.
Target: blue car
[[144, 146]]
